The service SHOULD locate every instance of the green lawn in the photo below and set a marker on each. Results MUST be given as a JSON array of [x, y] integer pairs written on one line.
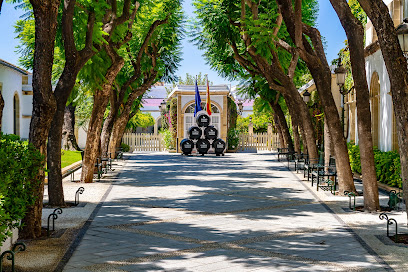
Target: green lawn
[[69, 157]]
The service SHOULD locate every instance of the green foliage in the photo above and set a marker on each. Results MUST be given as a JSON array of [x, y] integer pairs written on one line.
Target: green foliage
[[259, 120], [19, 166], [231, 113], [168, 139], [173, 118], [387, 165], [124, 147], [232, 138], [140, 119], [354, 154], [190, 80], [68, 157]]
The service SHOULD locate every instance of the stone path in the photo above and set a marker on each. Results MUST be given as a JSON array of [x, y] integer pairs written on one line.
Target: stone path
[[241, 212]]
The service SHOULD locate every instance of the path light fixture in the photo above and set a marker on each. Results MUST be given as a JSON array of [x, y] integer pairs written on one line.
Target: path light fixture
[[402, 32], [341, 73], [306, 97], [240, 107]]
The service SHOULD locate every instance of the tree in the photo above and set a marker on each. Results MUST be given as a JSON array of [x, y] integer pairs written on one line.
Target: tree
[[190, 80], [396, 65], [158, 64], [44, 103], [309, 46], [239, 33], [355, 35]]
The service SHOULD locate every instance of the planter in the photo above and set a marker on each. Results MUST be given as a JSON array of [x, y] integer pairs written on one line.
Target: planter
[[9, 241], [232, 150]]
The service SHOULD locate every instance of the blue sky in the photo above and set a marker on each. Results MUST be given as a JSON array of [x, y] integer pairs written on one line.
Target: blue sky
[[193, 63]]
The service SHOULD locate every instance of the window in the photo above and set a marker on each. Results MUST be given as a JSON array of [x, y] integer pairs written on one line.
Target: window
[[16, 115], [190, 109], [24, 80], [189, 119]]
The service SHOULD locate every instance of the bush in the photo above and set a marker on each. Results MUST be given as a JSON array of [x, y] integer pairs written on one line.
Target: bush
[[387, 165], [232, 138], [125, 147], [354, 154], [19, 167], [168, 139]]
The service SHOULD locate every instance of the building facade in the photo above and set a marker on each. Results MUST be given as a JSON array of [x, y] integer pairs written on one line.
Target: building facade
[[16, 89], [382, 114]]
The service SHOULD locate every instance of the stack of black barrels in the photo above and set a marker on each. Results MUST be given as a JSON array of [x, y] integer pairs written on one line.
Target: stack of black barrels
[[203, 138]]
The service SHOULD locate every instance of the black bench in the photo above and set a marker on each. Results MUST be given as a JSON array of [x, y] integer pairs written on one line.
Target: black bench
[[326, 176]]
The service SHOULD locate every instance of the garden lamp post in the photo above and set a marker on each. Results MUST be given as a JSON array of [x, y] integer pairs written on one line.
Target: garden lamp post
[[341, 72], [402, 32], [240, 107], [306, 97]]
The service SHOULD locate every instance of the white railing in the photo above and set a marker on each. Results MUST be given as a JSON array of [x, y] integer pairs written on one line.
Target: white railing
[[258, 141], [143, 142], [247, 142]]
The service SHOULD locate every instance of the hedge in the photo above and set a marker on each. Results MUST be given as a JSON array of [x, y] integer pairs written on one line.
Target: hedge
[[19, 166], [387, 165]]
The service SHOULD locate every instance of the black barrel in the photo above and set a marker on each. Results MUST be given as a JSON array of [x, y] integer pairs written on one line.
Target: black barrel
[[219, 146], [203, 120], [195, 133], [211, 133], [186, 146], [203, 145]]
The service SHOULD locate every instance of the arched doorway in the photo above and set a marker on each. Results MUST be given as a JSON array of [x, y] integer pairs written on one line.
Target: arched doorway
[[16, 115], [375, 107], [189, 117]]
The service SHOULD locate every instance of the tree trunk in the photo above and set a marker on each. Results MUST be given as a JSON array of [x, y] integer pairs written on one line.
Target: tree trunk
[[1, 108], [45, 14], [396, 65], [101, 99], [281, 120], [322, 76], [316, 61], [299, 110], [108, 126], [69, 141], [355, 35], [296, 137], [119, 129], [93, 136], [327, 144]]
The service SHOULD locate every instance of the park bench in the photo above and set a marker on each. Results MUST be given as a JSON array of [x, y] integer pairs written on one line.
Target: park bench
[[119, 153], [300, 161], [98, 171], [282, 151], [71, 171], [106, 163], [326, 176]]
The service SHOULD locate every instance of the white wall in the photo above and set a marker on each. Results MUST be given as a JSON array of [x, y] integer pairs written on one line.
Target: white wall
[[12, 84], [375, 63]]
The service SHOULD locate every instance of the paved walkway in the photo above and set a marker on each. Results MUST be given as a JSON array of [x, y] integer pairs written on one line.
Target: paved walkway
[[241, 212]]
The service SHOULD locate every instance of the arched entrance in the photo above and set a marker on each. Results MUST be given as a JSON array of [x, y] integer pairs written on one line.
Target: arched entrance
[[189, 117], [375, 107], [16, 115]]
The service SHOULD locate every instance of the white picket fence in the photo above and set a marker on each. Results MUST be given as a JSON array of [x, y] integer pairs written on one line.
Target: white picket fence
[[247, 142], [143, 142], [258, 141]]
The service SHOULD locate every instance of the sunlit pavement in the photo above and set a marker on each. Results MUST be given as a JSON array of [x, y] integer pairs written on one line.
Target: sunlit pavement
[[241, 212]]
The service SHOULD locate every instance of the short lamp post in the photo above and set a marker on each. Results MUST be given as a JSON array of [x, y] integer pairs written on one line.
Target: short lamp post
[[240, 107], [341, 72], [306, 97], [402, 32]]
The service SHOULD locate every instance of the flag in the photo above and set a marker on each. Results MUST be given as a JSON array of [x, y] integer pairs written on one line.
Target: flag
[[208, 102], [197, 100]]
